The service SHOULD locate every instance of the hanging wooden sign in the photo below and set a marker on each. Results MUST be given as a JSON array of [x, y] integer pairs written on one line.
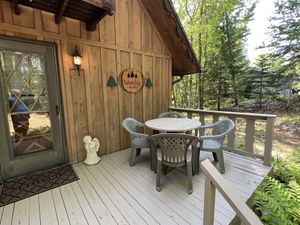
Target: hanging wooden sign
[[132, 80]]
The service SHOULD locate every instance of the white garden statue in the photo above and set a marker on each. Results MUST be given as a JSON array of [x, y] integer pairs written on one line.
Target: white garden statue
[[91, 147]]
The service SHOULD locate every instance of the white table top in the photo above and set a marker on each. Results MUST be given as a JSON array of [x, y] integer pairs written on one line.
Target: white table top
[[173, 124]]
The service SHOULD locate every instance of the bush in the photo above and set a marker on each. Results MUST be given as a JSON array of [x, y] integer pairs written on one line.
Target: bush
[[277, 201]]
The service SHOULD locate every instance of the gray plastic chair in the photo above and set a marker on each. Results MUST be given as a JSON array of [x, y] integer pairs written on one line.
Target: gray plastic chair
[[138, 140], [173, 151], [214, 143], [171, 115]]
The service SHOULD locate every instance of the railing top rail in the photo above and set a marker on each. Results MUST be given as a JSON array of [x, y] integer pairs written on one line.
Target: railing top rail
[[225, 113], [247, 216]]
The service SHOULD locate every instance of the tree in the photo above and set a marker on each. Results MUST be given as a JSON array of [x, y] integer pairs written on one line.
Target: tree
[[234, 29], [216, 45], [285, 32], [265, 79]]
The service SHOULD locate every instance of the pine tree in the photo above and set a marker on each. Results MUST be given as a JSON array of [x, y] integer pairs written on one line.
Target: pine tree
[[264, 81], [234, 29], [285, 31]]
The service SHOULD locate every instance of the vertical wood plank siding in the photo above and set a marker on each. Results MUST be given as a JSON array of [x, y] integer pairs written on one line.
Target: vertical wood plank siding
[[128, 39]]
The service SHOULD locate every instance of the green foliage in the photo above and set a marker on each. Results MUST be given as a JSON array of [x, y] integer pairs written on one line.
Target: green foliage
[[217, 31], [285, 31], [277, 204], [281, 171], [294, 168], [277, 201]]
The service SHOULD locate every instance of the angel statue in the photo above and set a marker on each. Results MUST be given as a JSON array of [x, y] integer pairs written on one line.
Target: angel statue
[[91, 146]]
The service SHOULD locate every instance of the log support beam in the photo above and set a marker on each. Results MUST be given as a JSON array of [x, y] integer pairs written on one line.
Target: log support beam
[[16, 7], [91, 25], [61, 10]]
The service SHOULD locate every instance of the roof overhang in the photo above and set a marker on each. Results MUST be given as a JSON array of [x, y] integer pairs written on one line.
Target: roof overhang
[[164, 16], [88, 11]]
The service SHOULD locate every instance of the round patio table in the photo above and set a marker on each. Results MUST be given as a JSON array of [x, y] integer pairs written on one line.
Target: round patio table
[[173, 124]]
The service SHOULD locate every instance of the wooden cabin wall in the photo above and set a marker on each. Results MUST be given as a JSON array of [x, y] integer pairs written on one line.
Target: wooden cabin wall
[[128, 39]]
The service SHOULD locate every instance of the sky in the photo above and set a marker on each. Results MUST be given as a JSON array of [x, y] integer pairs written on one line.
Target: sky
[[258, 28]]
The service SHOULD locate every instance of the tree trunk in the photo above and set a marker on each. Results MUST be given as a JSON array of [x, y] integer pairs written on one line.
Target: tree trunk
[[200, 76], [174, 94], [219, 90], [235, 90], [190, 84], [261, 90], [291, 85], [190, 92]]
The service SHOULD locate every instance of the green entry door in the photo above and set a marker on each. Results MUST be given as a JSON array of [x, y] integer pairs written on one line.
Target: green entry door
[[31, 123]]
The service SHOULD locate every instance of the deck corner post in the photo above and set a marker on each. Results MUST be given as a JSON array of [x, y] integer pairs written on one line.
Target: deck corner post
[[209, 202], [269, 141]]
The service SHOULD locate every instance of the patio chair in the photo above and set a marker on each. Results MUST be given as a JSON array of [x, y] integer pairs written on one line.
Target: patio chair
[[173, 151], [138, 140], [171, 115], [214, 143]]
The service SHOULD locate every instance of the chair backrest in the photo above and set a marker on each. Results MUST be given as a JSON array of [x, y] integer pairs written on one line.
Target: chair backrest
[[224, 126], [130, 125], [171, 115], [174, 146]]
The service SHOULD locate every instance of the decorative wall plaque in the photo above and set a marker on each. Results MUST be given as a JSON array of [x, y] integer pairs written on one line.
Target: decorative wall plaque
[[111, 82], [149, 83], [132, 80]]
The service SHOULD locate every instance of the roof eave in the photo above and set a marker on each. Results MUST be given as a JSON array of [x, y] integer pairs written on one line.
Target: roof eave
[[181, 32]]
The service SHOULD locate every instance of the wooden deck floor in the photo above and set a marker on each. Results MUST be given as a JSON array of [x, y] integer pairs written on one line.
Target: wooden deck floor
[[114, 193]]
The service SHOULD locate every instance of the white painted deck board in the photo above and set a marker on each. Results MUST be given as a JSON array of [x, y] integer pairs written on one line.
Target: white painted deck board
[[34, 210], [61, 213], [114, 193], [7, 214]]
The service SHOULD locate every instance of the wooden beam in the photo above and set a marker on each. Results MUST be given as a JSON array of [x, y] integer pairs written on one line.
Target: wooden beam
[[108, 5], [269, 141], [91, 25], [61, 10], [16, 7], [213, 179]]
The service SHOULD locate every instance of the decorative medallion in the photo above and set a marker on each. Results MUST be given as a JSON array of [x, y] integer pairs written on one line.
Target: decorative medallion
[[132, 80]]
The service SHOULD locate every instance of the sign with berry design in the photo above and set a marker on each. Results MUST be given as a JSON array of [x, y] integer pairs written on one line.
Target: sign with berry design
[[132, 80]]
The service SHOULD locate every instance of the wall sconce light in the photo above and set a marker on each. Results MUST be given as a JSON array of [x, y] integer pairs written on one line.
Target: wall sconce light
[[77, 59]]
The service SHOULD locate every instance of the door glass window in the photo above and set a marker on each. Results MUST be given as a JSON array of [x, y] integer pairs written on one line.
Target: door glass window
[[25, 90]]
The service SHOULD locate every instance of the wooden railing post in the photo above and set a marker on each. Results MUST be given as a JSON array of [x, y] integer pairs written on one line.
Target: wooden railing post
[[269, 141], [251, 119], [215, 119], [231, 136], [214, 180], [202, 120], [249, 138], [190, 116], [209, 202]]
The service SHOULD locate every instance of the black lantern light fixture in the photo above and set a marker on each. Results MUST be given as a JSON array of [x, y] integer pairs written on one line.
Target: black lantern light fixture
[[77, 59]]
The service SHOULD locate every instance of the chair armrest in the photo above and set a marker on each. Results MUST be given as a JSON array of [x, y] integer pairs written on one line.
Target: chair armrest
[[139, 124], [219, 136], [189, 154], [140, 135], [207, 126]]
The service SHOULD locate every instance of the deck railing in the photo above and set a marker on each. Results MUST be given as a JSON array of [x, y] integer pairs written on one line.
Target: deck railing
[[214, 180], [251, 119]]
